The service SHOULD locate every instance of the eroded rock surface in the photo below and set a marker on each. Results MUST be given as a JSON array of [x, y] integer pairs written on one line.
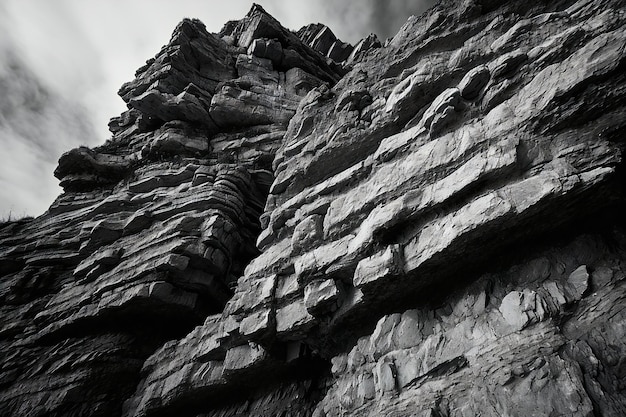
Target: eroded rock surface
[[284, 224]]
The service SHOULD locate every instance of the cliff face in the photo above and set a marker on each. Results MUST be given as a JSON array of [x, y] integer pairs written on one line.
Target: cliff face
[[284, 224]]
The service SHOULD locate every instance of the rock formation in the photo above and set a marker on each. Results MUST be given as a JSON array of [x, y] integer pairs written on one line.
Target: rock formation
[[284, 224]]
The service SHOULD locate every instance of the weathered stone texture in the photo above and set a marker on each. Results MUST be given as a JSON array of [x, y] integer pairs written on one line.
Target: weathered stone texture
[[282, 224]]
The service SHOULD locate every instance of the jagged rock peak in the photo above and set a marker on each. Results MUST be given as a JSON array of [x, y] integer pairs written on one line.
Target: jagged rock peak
[[256, 8]]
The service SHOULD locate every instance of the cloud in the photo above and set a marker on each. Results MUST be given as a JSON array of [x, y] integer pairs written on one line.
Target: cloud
[[36, 126], [350, 20], [26, 184], [388, 16]]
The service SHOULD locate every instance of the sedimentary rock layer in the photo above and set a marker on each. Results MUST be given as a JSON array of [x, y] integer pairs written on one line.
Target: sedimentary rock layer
[[284, 224]]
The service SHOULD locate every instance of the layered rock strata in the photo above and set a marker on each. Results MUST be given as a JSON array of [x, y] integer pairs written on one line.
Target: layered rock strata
[[283, 224]]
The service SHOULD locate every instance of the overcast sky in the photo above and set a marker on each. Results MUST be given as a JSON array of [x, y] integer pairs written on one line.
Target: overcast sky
[[70, 57]]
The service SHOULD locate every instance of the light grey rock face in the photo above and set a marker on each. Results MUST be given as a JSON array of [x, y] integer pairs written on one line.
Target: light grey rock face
[[498, 346], [153, 231], [284, 225]]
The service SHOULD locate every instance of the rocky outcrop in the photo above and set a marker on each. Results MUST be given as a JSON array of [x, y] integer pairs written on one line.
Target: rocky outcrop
[[282, 224]]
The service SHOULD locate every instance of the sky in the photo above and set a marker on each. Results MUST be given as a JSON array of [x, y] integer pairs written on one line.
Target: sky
[[63, 61]]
